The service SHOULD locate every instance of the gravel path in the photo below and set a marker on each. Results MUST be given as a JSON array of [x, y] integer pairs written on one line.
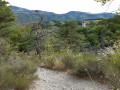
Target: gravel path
[[55, 80]]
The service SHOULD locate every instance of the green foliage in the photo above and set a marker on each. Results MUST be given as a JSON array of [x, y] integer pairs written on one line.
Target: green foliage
[[86, 61], [67, 58], [106, 66], [57, 23], [78, 63], [111, 69], [17, 69], [62, 60], [102, 34], [79, 22], [21, 83], [22, 39], [68, 28], [68, 61], [6, 17], [108, 31], [116, 46], [60, 50], [4, 46], [68, 32]]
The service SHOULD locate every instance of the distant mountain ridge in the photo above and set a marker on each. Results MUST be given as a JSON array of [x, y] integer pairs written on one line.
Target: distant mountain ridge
[[25, 15]]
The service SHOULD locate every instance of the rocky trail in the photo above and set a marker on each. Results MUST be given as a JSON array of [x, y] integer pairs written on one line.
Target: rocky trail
[[56, 80]]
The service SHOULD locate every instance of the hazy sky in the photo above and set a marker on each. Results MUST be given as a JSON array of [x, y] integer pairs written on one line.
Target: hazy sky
[[64, 6]]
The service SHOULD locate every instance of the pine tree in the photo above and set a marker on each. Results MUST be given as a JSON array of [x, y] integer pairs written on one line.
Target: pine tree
[[6, 17]]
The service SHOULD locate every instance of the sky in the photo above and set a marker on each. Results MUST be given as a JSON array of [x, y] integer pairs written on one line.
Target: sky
[[64, 6]]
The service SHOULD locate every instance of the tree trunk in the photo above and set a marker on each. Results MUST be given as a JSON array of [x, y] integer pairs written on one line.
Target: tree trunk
[[102, 41], [38, 40]]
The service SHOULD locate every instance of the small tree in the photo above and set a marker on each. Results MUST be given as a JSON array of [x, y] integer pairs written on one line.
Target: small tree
[[40, 32], [68, 32]]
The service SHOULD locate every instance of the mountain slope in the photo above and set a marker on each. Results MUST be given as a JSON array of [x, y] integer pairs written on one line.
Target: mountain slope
[[25, 15]]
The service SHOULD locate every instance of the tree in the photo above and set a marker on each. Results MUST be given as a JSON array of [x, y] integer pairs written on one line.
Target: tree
[[6, 17], [57, 23], [20, 38], [103, 1], [68, 32], [40, 32]]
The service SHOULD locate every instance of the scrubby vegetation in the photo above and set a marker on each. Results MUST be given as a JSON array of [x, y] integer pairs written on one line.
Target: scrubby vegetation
[[16, 68], [104, 66], [92, 51], [85, 51]]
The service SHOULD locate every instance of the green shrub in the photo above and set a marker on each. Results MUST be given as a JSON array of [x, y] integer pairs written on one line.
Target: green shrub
[[111, 69], [104, 66], [5, 77], [4, 46], [16, 69], [21, 82], [68, 61], [25, 67], [87, 61], [49, 61], [67, 58]]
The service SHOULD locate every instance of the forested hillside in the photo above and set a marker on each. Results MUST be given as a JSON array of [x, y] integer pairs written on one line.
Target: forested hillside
[[26, 15]]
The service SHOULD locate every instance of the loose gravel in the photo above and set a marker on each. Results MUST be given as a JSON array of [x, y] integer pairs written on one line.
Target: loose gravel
[[56, 80]]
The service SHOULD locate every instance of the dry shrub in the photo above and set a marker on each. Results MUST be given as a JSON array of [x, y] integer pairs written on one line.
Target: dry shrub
[[17, 69]]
